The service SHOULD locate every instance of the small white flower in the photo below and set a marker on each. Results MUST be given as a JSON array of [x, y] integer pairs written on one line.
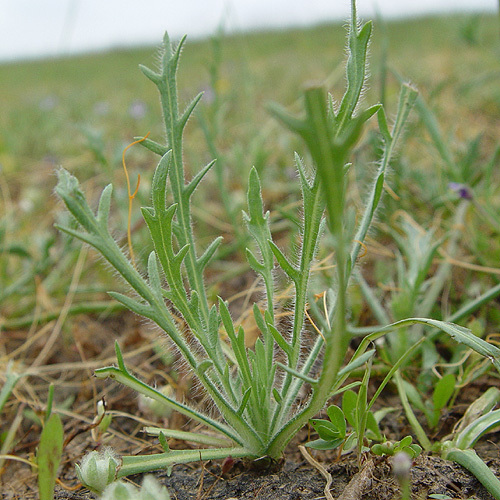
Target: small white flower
[[150, 490], [120, 490], [401, 465], [98, 469]]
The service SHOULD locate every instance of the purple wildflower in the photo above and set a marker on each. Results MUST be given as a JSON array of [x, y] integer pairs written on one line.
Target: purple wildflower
[[462, 190], [137, 109]]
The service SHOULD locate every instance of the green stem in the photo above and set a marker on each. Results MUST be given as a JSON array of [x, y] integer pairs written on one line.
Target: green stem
[[470, 460], [417, 428], [312, 220], [168, 95], [330, 161], [128, 380], [191, 437], [146, 463]]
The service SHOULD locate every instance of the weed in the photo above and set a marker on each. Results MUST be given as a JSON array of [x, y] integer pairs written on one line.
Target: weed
[[49, 451], [256, 390]]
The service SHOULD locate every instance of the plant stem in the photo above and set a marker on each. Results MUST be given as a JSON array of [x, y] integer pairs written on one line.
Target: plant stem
[[147, 463], [417, 428]]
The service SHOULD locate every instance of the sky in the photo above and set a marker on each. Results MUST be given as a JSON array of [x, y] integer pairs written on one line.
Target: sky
[[38, 28]]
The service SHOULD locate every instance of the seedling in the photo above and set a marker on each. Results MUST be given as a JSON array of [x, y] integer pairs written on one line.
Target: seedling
[[390, 448], [332, 433], [49, 451], [432, 408], [356, 410], [361, 419]]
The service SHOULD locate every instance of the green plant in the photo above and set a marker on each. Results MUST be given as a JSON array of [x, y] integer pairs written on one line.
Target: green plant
[[363, 421], [254, 394], [415, 290], [50, 447], [469, 30], [356, 410], [42, 262], [11, 379], [479, 419], [19, 266], [442, 393], [391, 448], [416, 293], [49, 451], [332, 433], [8, 436]]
